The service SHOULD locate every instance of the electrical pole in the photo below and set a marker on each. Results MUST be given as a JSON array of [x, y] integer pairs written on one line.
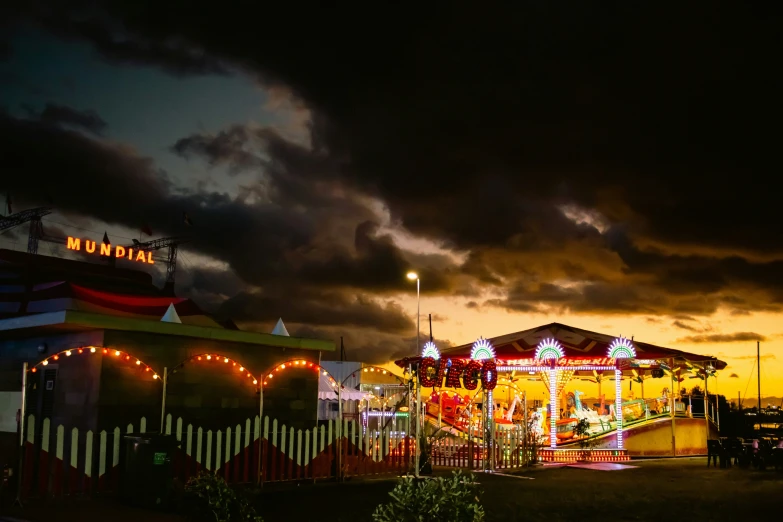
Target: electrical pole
[[758, 363]]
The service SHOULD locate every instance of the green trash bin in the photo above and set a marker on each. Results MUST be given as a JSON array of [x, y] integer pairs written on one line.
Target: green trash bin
[[147, 474]]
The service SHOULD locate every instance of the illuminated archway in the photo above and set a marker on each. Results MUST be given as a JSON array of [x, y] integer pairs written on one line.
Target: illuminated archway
[[217, 359], [301, 364], [97, 350]]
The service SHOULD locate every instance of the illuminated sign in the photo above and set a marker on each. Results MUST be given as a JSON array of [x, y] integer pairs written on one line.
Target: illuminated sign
[[549, 349], [482, 350], [547, 363], [106, 249], [430, 350], [621, 348], [432, 372]]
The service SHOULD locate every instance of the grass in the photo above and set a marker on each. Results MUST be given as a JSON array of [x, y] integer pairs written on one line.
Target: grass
[[656, 490], [683, 489]]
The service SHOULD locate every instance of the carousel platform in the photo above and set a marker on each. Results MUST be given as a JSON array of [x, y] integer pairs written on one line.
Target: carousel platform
[[576, 455]]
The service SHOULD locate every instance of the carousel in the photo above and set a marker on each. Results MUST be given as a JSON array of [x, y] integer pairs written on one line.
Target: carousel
[[482, 389]]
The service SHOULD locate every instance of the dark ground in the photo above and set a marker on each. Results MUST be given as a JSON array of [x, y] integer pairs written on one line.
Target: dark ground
[[656, 490]]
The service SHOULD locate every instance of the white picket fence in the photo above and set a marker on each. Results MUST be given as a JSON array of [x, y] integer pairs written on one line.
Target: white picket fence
[[86, 463]]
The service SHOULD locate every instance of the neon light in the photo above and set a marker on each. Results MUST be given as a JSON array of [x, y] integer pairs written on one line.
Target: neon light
[[538, 368], [549, 349], [430, 350], [621, 348], [482, 350], [618, 406], [552, 407]]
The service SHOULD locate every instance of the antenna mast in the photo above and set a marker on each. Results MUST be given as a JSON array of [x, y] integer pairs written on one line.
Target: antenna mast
[[758, 362]]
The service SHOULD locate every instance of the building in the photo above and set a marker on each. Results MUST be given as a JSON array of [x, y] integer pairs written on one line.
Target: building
[[98, 341]]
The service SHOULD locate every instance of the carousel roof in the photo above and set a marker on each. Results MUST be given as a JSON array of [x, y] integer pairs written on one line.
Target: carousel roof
[[576, 343]]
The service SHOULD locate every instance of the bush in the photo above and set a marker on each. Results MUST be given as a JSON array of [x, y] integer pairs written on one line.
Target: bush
[[451, 499], [209, 493]]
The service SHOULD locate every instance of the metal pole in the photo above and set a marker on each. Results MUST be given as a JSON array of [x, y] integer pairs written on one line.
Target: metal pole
[[409, 422], [419, 420], [717, 402], [706, 401], [163, 401], [440, 408], [672, 408], [758, 372], [525, 425], [419, 427], [22, 415], [340, 426], [261, 420]]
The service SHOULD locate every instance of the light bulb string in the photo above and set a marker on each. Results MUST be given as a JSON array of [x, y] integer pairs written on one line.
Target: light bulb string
[[302, 364], [219, 359], [91, 350], [374, 369]]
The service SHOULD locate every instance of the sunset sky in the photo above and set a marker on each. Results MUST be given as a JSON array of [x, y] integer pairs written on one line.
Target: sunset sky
[[602, 168]]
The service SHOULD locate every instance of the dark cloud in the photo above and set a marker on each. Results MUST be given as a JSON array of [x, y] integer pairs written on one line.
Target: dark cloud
[[365, 345], [682, 326], [225, 148], [736, 337], [585, 160], [282, 262], [64, 116], [317, 308], [118, 45]]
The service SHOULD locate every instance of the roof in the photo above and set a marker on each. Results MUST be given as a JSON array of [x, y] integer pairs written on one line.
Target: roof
[[76, 320], [21, 268], [576, 343], [55, 296], [42, 294]]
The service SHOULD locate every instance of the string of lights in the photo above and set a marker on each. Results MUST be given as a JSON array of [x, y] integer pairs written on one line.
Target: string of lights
[[214, 358], [298, 364], [90, 350]]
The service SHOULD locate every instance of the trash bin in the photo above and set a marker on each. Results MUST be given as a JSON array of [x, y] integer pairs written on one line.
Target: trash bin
[[147, 475]]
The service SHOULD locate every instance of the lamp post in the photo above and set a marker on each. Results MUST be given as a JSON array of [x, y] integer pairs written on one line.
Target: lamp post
[[411, 276]]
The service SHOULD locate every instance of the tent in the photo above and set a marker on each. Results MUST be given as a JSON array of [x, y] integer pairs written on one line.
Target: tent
[[327, 392]]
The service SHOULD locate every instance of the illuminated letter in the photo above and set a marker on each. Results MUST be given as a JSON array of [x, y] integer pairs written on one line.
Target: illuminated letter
[[119, 251], [149, 258], [105, 249], [426, 364], [89, 246], [471, 379], [441, 371], [74, 243], [130, 254], [489, 375], [140, 256], [455, 372]]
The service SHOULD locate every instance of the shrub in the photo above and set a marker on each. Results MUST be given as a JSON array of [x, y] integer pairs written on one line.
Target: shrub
[[209, 493], [451, 499]]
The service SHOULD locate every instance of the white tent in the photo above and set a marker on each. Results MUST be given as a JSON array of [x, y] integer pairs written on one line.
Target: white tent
[[280, 329], [171, 315], [327, 392]]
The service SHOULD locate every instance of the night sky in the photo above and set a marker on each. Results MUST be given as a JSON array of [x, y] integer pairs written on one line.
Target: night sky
[[611, 166]]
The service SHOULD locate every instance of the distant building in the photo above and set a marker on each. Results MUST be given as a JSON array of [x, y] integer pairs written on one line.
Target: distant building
[[50, 305]]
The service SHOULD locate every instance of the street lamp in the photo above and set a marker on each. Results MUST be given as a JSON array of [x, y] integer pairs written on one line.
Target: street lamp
[[413, 276], [419, 424]]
